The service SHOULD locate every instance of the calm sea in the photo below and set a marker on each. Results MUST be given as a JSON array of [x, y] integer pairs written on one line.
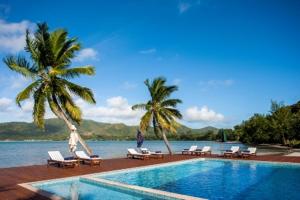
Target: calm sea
[[32, 153]]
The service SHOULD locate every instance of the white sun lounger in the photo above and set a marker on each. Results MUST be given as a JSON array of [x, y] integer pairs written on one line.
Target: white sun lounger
[[191, 150], [251, 151], [82, 156], [234, 150], [205, 150], [57, 158], [153, 154], [132, 153]]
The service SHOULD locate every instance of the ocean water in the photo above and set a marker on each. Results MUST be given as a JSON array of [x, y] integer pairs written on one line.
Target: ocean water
[[219, 179], [35, 153]]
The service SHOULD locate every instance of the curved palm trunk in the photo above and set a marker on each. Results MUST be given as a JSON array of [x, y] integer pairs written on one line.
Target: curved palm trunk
[[167, 142], [69, 124], [158, 129]]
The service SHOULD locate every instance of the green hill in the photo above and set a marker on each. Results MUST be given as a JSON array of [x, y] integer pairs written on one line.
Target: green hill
[[55, 129]]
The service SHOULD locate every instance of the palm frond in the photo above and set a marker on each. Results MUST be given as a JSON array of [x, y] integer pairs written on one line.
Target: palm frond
[[73, 72], [164, 92], [145, 121], [82, 92], [25, 94], [21, 65], [171, 103], [173, 113], [44, 46], [68, 105], [39, 108], [67, 51], [139, 107], [73, 111], [31, 47], [163, 109]]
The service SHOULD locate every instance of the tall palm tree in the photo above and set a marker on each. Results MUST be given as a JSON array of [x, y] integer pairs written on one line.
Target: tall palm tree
[[49, 68], [160, 109]]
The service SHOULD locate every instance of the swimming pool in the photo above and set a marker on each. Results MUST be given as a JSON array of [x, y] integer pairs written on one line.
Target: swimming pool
[[199, 178], [219, 179], [84, 189]]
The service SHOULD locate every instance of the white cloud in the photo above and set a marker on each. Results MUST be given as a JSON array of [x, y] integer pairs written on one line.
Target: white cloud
[[204, 114], [183, 7], [214, 84], [12, 35], [176, 81], [148, 51], [128, 86], [5, 103], [117, 102], [85, 54], [18, 82], [27, 106], [116, 110]]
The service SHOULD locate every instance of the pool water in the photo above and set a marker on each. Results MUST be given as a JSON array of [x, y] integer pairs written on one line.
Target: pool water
[[219, 179], [78, 189]]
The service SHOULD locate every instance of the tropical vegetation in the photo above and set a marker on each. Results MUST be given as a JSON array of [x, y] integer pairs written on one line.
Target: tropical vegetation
[[160, 109], [48, 66], [280, 126]]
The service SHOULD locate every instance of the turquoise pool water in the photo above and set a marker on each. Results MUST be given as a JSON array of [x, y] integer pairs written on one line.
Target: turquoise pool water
[[218, 179], [82, 190]]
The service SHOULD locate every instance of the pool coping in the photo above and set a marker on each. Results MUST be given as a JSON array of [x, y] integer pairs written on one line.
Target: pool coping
[[149, 191]]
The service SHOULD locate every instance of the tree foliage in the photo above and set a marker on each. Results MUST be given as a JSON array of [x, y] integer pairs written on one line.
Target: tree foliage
[[49, 68], [160, 110], [280, 126]]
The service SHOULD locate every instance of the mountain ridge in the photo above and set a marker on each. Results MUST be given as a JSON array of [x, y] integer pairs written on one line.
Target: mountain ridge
[[55, 129]]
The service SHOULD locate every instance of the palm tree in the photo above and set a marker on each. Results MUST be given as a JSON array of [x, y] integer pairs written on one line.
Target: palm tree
[[49, 68], [160, 109]]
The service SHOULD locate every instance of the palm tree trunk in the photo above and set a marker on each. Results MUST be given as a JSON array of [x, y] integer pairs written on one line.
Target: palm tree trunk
[[62, 116], [167, 142], [283, 139]]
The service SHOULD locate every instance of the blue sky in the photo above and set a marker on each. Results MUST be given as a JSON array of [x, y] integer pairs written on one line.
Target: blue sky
[[228, 58]]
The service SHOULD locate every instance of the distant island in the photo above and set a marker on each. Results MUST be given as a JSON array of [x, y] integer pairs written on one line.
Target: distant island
[[56, 129]]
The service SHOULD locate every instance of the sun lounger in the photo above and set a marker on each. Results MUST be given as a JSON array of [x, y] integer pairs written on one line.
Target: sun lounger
[[82, 156], [233, 151], [204, 151], [57, 158], [155, 154], [189, 151], [132, 153], [251, 151]]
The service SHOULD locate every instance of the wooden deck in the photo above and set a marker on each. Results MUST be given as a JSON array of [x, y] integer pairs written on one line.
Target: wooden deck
[[11, 177]]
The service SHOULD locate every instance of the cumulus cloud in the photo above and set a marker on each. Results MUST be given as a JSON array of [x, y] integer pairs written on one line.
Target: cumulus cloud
[[148, 51], [116, 110], [12, 35], [183, 7], [85, 54], [5, 103], [128, 85], [213, 84], [203, 114], [176, 81]]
